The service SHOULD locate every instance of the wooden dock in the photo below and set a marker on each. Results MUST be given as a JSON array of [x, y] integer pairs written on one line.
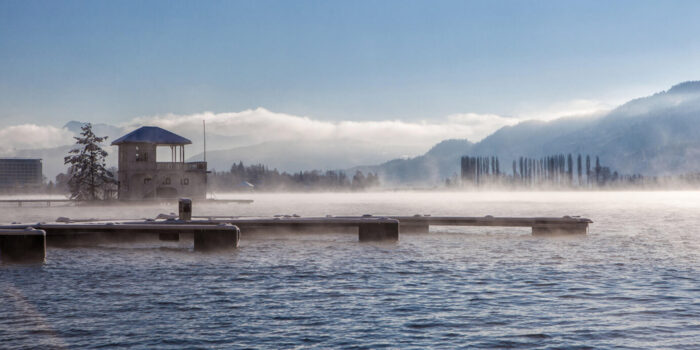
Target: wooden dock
[[410, 224], [19, 242], [223, 232], [24, 245], [539, 225], [368, 228]]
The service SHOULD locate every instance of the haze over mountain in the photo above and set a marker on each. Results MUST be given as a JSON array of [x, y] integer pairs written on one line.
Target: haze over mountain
[[52, 157], [294, 156], [654, 135], [658, 134]]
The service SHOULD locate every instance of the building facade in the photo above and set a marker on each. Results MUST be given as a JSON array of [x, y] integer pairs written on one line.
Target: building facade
[[20, 172], [142, 176]]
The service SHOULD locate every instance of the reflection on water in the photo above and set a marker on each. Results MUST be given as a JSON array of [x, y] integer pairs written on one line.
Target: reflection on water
[[632, 282]]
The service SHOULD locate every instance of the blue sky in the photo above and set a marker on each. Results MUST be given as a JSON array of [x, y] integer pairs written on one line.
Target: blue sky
[[113, 61]]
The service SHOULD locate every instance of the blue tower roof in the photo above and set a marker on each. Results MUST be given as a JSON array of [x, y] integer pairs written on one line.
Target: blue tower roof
[[152, 134]]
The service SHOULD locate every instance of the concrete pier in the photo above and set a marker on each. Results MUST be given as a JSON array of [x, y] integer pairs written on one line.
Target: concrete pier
[[225, 238], [560, 229], [382, 227], [215, 233], [368, 228], [407, 224], [22, 245], [169, 236], [539, 225], [207, 237], [414, 228], [382, 231]]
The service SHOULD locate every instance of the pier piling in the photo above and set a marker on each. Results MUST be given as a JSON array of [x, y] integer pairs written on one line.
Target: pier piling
[[224, 238], [561, 229], [415, 228], [169, 236], [379, 231], [22, 245]]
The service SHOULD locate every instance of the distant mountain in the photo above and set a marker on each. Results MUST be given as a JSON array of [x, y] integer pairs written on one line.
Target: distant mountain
[[293, 156], [52, 158], [428, 168], [112, 132], [658, 134]]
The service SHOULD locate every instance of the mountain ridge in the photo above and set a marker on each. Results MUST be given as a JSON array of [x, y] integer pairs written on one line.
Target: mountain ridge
[[652, 135]]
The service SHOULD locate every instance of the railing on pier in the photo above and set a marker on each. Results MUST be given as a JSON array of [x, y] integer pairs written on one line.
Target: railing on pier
[[190, 166], [48, 202]]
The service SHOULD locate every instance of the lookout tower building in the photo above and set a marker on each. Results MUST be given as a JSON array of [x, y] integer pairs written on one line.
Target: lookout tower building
[[142, 176]]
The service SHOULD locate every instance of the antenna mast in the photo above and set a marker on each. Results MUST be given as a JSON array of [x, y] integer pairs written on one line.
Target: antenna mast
[[204, 129]]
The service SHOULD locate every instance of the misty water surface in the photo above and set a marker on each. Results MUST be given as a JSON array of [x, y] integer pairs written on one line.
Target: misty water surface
[[633, 282]]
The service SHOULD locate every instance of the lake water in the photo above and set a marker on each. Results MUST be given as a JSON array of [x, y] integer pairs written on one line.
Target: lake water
[[633, 282]]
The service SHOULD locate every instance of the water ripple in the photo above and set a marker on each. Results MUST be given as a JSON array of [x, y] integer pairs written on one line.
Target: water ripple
[[634, 282]]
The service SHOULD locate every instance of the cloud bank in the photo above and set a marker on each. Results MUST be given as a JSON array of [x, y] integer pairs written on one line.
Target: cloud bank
[[260, 125], [572, 108], [32, 136], [256, 126], [267, 136]]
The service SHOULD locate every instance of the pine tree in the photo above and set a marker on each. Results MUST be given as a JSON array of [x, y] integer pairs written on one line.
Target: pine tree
[[89, 178]]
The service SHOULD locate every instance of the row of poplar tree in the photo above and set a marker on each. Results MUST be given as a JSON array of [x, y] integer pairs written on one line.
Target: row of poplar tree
[[559, 169]]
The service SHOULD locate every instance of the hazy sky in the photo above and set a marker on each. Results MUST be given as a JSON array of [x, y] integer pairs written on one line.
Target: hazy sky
[[113, 61]]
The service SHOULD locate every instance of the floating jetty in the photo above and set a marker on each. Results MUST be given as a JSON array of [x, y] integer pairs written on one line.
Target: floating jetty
[[408, 224], [368, 228], [22, 242], [539, 225], [26, 245]]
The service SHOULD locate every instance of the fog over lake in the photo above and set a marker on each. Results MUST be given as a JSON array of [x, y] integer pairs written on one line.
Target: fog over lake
[[633, 281]]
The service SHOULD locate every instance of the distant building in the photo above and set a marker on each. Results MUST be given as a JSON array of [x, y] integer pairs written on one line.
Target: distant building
[[20, 172], [142, 176]]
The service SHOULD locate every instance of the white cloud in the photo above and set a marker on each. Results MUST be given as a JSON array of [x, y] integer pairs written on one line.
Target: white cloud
[[571, 108], [481, 125], [32, 136], [226, 130], [255, 126]]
